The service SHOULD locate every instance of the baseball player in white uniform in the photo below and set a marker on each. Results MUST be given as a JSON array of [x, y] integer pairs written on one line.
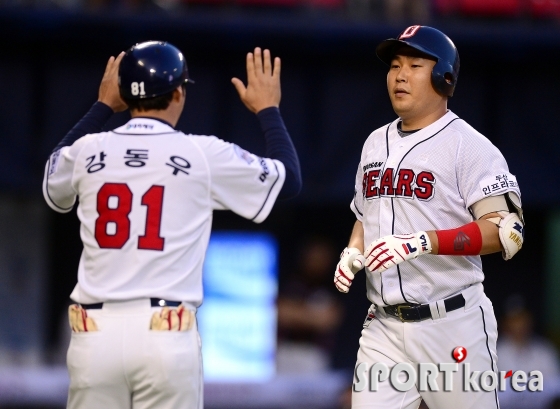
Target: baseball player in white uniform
[[432, 195], [146, 196]]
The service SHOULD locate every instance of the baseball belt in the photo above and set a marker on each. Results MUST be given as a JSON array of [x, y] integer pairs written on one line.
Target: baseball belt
[[155, 302], [166, 319], [419, 312]]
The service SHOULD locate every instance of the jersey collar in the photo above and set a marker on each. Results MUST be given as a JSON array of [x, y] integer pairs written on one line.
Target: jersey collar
[[426, 132], [145, 126]]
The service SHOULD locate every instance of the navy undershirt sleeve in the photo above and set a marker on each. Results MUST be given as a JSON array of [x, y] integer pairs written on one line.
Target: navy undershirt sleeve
[[279, 146], [92, 122]]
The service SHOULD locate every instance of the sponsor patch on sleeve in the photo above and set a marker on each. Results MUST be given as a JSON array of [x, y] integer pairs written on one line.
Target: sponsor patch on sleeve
[[243, 154], [54, 162], [498, 184]]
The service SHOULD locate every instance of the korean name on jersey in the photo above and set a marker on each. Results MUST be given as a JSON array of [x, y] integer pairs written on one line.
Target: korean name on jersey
[[147, 193]]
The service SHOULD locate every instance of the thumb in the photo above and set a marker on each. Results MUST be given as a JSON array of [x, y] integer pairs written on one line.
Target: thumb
[[359, 262], [239, 86]]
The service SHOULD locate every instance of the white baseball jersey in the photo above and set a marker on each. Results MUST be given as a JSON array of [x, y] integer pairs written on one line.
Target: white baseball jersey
[[146, 196], [425, 181]]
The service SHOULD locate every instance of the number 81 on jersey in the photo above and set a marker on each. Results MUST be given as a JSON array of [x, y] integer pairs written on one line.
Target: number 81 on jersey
[[117, 217]]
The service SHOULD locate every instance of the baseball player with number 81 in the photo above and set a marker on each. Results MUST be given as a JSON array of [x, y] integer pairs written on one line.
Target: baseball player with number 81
[[431, 195], [147, 192]]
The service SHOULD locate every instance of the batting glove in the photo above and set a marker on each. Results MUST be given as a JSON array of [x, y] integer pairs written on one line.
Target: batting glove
[[351, 261], [171, 319], [389, 251], [79, 320]]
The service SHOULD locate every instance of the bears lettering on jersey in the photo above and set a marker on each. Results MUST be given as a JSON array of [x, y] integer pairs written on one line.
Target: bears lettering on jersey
[[405, 184]]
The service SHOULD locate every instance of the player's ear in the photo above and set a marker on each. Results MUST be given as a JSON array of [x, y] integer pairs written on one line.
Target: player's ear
[[178, 93]]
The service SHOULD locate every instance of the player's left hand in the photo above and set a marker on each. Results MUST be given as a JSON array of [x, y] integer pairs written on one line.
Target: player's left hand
[[109, 89], [389, 251], [263, 82]]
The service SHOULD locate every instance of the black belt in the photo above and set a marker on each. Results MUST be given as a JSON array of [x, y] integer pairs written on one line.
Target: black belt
[[155, 302], [419, 312]]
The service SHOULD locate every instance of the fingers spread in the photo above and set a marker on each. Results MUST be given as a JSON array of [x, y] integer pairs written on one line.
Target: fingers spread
[[267, 63], [258, 61], [277, 64], [250, 67], [239, 86]]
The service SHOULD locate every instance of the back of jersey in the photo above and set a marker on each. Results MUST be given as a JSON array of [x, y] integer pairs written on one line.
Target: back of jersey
[[147, 193]]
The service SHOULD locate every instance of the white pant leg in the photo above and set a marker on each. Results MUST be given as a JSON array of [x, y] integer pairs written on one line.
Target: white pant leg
[[383, 341], [473, 327], [125, 365], [95, 367], [168, 374]]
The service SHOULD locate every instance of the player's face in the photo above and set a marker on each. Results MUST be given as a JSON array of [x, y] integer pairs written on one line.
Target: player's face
[[409, 83]]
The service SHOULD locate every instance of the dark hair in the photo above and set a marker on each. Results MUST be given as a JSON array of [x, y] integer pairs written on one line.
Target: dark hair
[[159, 103]]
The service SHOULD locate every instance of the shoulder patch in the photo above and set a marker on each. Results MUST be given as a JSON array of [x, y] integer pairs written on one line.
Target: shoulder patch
[[498, 184], [54, 162], [243, 154]]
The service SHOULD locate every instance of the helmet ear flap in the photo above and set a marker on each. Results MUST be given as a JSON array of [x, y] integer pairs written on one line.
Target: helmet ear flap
[[443, 79], [448, 77]]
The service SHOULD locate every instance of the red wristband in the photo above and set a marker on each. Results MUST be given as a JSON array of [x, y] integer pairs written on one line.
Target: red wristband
[[462, 241]]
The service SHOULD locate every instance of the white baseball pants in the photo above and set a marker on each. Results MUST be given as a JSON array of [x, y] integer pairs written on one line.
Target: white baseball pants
[[391, 341], [125, 365]]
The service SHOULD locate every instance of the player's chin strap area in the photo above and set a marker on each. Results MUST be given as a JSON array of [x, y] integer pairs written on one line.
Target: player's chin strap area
[[511, 231]]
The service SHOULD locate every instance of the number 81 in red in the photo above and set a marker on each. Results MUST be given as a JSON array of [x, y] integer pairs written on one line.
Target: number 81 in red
[[152, 199]]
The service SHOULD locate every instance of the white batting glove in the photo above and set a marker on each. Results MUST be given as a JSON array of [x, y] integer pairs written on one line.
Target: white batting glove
[[389, 251], [351, 261]]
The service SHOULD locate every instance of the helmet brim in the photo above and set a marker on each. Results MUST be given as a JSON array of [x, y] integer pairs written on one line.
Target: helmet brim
[[386, 49]]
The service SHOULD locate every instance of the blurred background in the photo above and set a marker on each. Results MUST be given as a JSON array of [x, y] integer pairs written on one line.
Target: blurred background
[[299, 345]]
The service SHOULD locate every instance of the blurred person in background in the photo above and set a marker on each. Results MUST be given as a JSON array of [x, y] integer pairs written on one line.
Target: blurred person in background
[[518, 346], [519, 349], [308, 311]]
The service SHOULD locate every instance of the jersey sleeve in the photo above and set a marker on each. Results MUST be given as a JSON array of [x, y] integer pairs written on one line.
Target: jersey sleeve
[[58, 188], [357, 204], [241, 181], [482, 170], [57, 182]]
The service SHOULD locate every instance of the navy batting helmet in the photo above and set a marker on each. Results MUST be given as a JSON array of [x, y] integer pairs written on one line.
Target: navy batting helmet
[[151, 69], [433, 43]]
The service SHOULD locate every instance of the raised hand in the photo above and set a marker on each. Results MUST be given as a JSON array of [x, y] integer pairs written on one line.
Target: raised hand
[[109, 88], [263, 82]]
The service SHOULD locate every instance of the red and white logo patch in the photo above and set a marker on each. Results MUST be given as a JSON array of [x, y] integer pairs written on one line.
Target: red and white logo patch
[[409, 32]]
